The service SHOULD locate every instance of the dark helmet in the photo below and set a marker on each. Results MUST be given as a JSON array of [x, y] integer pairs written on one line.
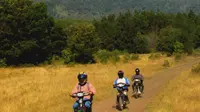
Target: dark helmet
[[120, 74], [82, 76], [137, 70]]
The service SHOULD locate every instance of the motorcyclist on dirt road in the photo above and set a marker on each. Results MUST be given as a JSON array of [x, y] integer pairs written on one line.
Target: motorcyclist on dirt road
[[138, 76], [84, 86], [122, 79]]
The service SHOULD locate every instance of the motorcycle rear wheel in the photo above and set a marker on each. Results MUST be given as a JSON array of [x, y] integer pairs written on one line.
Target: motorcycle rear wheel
[[81, 110], [121, 104]]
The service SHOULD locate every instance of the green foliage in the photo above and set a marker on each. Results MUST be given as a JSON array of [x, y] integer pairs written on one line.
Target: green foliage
[[168, 37], [196, 69], [127, 57], [83, 42], [68, 56], [124, 29], [27, 65], [183, 29], [196, 52], [104, 56], [3, 62], [114, 58], [178, 47], [27, 33]]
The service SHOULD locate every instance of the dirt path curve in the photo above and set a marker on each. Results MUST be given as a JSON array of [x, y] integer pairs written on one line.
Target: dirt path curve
[[152, 87]]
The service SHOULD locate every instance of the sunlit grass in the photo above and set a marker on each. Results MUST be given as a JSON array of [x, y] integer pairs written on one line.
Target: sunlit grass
[[47, 88], [181, 95]]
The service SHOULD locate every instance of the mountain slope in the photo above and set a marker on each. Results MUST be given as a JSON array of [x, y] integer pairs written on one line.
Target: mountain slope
[[91, 8]]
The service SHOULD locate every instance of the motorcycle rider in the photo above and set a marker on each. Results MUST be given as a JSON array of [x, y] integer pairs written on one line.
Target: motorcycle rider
[[138, 76], [122, 79], [84, 86]]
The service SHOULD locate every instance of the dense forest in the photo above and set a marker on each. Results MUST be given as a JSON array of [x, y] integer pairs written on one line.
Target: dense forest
[[29, 35], [97, 8]]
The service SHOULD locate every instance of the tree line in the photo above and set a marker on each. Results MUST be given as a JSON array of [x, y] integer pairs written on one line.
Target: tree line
[[28, 35]]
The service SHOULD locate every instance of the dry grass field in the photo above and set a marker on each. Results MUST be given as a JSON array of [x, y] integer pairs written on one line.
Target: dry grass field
[[47, 88], [180, 95]]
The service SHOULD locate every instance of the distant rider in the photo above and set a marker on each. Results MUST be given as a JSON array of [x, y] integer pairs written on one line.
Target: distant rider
[[138, 76], [122, 79]]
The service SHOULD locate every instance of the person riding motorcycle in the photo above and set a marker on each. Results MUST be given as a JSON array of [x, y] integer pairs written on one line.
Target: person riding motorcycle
[[122, 79], [138, 76], [84, 86]]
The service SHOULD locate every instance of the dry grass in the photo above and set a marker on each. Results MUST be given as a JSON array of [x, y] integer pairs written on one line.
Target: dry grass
[[45, 89], [181, 95]]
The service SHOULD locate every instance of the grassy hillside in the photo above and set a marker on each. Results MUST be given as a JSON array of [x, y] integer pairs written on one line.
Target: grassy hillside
[[95, 8], [181, 95]]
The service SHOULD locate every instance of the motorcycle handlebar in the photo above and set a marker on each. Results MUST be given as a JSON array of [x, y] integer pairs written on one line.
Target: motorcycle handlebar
[[120, 83], [85, 94]]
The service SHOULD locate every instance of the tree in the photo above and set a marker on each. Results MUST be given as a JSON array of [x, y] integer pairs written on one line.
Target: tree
[[27, 32], [167, 38], [83, 42], [106, 28]]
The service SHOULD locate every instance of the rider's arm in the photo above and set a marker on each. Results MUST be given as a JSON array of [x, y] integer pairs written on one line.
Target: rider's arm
[[92, 89], [115, 82], [133, 77], [127, 81], [142, 78], [75, 89]]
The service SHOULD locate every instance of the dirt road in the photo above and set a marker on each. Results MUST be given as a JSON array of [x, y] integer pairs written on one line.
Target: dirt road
[[152, 87]]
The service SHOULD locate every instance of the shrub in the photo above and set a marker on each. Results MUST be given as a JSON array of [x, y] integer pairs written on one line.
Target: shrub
[[126, 58], [27, 65], [68, 56], [166, 63], [196, 69], [114, 58], [178, 47], [3, 62], [179, 56], [168, 54], [103, 56], [196, 52], [55, 57], [134, 57], [155, 56]]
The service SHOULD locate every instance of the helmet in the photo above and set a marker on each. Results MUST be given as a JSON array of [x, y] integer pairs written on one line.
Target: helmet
[[82, 77], [137, 70], [120, 74]]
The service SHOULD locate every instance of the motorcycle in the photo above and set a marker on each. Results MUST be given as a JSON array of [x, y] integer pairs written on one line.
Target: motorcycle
[[122, 101], [80, 96], [136, 87]]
